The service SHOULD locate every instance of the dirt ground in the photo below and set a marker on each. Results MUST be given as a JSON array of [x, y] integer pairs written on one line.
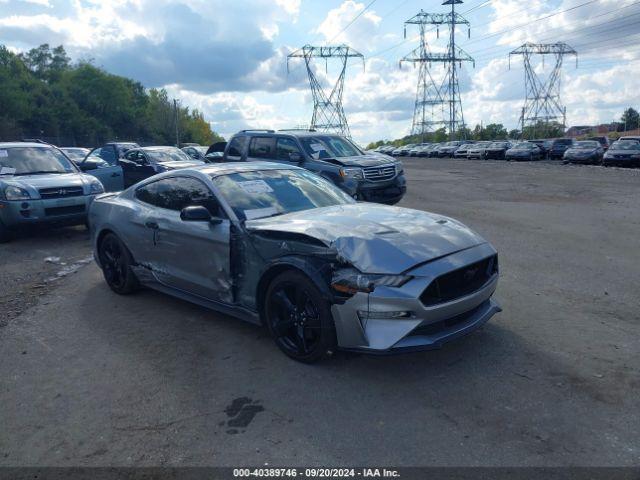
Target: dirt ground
[[90, 378]]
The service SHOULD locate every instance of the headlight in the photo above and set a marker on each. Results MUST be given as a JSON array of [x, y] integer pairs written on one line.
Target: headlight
[[16, 193], [351, 281], [352, 173], [95, 188]]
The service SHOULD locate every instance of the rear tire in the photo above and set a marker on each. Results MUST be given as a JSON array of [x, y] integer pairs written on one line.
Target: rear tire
[[299, 318], [116, 262]]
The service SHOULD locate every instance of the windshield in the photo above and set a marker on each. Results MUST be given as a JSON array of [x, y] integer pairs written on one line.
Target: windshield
[[328, 146], [168, 155], [453, 144], [267, 193], [499, 145], [34, 160], [524, 146], [622, 145], [586, 145]]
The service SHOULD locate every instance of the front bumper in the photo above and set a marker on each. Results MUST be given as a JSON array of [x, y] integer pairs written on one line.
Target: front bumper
[[388, 192], [18, 213], [428, 327], [621, 160], [495, 154]]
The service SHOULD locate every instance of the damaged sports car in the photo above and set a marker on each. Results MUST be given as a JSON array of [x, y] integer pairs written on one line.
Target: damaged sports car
[[280, 246]]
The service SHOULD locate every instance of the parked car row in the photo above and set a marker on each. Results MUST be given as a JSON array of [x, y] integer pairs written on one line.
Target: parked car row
[[595, 150]]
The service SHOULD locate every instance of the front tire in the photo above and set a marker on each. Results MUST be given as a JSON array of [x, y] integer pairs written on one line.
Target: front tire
[[299, 318], [116, 262], [5, 235]]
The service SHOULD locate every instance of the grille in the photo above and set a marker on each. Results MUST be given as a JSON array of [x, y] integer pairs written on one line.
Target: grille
[[64, 210], [60, 192], [377, 174], [437, 327], [461, 282]]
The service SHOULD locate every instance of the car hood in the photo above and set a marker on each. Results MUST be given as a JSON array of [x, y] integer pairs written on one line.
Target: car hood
[[180, 164], [368, 160], [623, 152], [376, 238], [36, 182]]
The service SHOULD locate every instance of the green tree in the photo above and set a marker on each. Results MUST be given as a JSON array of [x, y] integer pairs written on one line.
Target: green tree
[[630, 119], [43, 95]]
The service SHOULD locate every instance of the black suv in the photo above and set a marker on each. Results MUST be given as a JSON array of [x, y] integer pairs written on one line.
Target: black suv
[[368, 177], [559, 146]]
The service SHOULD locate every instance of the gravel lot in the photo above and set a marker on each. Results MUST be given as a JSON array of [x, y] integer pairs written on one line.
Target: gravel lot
[[90, 378]]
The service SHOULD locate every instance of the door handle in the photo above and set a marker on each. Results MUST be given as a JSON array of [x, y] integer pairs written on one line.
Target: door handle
[[152, 225]]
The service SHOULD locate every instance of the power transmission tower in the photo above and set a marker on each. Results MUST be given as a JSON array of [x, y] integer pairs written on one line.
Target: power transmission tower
[[428, 95], [542, 103], [328, 114]]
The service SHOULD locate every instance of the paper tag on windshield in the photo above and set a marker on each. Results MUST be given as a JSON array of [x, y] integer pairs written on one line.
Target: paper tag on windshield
[[7, 171], [255, 187], [259, 213], [4, 153], [318, 147]]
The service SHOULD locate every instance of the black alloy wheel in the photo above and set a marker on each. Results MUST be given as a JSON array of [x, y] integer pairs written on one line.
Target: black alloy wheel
[[116, 262], [299, 318]]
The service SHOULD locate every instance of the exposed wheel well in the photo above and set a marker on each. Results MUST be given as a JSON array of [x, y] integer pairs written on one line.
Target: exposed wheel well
[[101, 236], [263, 284]]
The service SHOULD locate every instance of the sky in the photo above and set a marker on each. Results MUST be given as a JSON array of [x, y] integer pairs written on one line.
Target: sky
[[229, 58]]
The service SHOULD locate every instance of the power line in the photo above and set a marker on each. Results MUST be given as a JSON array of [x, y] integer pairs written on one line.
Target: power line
[[352, 21]]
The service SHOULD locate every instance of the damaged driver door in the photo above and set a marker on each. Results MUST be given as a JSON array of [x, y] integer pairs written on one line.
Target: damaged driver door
[[191, 254]]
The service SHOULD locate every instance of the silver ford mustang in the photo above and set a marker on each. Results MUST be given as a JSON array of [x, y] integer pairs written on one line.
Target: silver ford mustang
[[280, 246]]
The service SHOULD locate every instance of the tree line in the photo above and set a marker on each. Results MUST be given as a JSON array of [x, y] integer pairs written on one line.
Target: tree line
[[44, 95]]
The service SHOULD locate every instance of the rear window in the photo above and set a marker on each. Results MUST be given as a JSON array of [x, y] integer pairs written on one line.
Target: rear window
[[563, 141]]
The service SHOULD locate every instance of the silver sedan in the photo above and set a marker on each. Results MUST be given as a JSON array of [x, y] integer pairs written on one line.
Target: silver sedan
[[280, 246]]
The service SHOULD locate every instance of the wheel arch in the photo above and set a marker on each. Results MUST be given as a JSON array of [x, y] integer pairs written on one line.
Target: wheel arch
[[310, 268]]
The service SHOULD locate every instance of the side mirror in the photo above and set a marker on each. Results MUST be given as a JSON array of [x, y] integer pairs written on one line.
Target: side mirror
[[295, 157], [198, 213], [86, 166]]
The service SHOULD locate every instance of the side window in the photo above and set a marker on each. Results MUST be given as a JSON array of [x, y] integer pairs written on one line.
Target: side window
[[131, 156], [236, 147], [261, 147], [285, 147], [177, 193], [108, 154]]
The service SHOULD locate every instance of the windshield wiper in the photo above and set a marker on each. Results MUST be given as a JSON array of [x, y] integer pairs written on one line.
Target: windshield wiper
[[41, 172]]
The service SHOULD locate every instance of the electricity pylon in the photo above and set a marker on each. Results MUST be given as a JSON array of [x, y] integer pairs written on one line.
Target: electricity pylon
[[542, 95], [428, 95], [328, 114]]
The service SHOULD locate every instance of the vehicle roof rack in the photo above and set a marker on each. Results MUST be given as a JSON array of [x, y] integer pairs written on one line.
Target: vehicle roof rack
[[257, 130], [297, 130]]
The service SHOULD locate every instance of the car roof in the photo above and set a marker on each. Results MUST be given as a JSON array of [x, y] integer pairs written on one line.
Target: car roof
[[25, 144], [217, 169], [156, 148]]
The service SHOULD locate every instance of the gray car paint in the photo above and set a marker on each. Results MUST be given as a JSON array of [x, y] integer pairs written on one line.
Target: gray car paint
[[226, 266]]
